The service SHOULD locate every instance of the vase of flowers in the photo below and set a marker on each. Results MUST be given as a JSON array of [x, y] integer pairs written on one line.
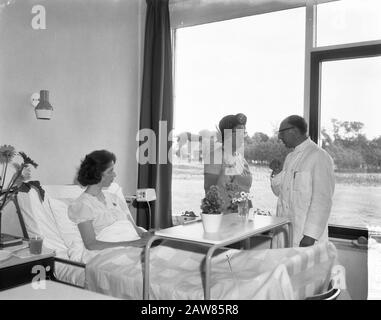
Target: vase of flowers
[[242, 202], [18, 180], [239, 200], [211, 207]]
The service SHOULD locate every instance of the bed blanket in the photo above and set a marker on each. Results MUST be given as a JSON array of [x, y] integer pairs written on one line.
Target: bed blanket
[[178, 273]]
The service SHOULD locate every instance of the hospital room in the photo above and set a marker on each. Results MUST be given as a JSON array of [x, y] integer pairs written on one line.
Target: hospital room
[[179, 150]]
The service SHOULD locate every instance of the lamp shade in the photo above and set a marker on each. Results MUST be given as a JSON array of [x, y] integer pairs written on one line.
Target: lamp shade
[[44, 109]]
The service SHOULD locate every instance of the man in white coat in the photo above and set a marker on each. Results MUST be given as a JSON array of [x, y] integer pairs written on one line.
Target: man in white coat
[[304, 184]]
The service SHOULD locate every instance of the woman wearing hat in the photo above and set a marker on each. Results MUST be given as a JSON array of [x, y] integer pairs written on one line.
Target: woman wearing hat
[[227, 164]]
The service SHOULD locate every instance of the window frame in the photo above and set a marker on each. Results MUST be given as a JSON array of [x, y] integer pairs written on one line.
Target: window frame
[[318, 56]]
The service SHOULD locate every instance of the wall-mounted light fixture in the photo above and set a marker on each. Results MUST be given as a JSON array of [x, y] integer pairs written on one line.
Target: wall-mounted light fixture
[[43, 108]]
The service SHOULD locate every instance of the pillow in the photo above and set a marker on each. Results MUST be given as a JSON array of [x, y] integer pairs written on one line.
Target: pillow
[[38, 220], [67, 229]]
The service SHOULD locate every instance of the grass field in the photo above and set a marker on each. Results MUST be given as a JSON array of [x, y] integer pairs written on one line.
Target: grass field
[[356, 202]]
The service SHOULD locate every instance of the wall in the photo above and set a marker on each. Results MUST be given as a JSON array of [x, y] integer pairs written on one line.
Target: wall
[[355, 262], [89, 58]]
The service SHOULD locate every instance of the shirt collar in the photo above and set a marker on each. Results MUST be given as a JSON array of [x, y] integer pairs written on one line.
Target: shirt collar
[[303, 145]]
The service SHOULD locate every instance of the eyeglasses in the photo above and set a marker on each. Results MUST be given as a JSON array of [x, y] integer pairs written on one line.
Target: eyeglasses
[[285, 129]]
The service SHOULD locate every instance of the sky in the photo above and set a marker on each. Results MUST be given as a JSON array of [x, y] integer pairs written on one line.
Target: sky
[[255, 65]]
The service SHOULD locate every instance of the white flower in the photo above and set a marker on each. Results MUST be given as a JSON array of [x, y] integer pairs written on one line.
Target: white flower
[[26, 174]]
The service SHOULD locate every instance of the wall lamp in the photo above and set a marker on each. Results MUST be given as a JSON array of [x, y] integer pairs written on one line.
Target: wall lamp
[[41, 104]]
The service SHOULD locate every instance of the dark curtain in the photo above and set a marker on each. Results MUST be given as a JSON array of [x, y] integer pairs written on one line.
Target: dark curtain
[[157, 105]]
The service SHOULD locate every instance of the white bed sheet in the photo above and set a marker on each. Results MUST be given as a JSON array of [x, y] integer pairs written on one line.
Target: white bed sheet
[[74, 274], [177, 273], [69, 273]]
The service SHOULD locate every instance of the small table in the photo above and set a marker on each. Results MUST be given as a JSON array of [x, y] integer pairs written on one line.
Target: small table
[[22, 267], [232, 230]]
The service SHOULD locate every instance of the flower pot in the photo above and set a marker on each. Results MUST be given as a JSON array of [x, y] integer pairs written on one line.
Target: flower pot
[[211, 222]]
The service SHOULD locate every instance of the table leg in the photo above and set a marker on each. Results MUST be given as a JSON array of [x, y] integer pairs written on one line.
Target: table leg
[[146, 268], [208, 263], [247, 244], [290, 234]]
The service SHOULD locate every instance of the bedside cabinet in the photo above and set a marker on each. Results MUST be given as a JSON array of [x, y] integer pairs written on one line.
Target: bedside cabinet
[[22, 267]]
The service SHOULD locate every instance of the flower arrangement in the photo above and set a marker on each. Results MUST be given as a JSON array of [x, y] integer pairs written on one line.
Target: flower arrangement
[[243, 196], [17, 182], [213, 202], [236, 196]]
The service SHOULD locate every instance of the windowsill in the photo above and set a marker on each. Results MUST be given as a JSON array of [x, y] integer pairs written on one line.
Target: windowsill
[[346, 233]]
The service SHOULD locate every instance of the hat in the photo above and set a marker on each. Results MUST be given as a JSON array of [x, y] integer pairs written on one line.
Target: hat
[[231, 121]]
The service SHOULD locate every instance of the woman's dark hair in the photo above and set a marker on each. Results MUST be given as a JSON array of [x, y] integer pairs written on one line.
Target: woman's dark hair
[[92, 167], [230, 122], [298, 122]]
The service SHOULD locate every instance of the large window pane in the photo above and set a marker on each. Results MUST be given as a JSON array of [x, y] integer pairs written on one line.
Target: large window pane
[[252, 65], [351, 133], [348, 21]]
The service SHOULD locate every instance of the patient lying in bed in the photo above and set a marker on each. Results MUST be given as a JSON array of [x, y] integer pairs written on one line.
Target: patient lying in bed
[[105, 225], [103, 219]]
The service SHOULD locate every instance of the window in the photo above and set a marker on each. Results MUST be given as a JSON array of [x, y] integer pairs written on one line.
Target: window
[[350, 132], [344, 107], [253, 65], [348, 21], [350, 79]]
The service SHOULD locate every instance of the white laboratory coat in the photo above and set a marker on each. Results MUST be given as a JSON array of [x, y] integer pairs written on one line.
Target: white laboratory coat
[[305, 188]]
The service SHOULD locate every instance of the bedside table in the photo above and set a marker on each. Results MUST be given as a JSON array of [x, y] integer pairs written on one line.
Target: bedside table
[[22, 267]]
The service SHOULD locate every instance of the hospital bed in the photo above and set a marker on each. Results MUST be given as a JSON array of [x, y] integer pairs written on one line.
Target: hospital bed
[[293, 273]]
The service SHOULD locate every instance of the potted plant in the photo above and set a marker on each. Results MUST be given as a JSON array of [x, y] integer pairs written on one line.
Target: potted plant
[[211, 207]]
